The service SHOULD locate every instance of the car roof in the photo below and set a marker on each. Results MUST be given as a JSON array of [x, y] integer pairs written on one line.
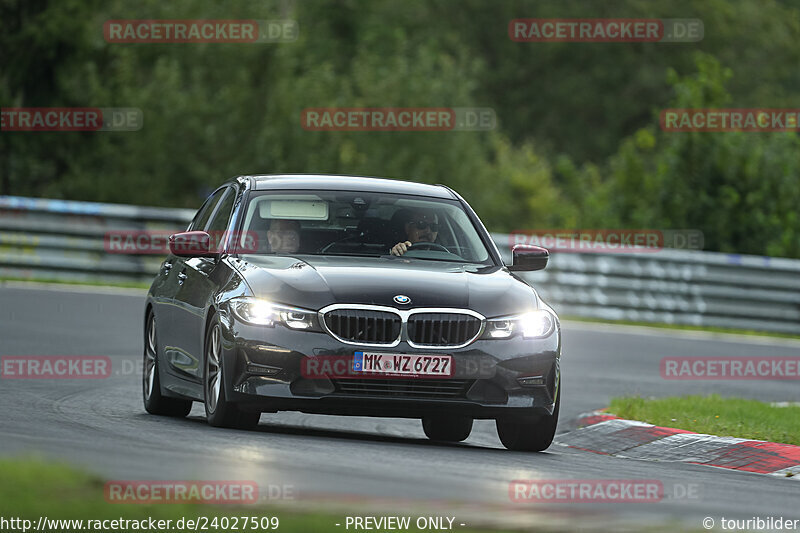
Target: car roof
[[336, 182]]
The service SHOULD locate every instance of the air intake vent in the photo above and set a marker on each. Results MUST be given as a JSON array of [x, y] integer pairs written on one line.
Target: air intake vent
[[364, 326], [404, 388], [442, 329]]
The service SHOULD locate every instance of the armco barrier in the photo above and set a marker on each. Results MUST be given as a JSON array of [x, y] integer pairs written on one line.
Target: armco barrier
[[57, 239], [54, 239], [673, 286]]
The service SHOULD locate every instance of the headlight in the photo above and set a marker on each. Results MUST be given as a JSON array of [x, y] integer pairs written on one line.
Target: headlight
[[264, 313], [533, 325]]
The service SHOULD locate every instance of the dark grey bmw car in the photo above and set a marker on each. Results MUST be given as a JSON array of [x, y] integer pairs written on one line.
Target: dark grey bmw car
[[351, 296]]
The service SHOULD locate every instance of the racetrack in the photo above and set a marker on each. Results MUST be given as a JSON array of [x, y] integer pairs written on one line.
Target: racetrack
[[101, 424]]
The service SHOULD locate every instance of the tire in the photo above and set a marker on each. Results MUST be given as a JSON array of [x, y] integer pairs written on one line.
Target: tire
[[219, 411], [447, 429], [155, 402], [529, 436]]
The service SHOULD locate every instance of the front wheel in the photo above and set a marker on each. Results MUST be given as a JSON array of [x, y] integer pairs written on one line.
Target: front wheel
[[156, 403], [529, 436], [219, 411], [447, 429]]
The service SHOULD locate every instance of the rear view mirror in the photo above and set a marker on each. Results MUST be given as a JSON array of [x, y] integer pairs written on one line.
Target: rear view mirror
[[192, 244], [527, 258]]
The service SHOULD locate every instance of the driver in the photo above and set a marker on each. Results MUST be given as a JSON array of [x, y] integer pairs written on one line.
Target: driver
[[421, 226], [284, 236]]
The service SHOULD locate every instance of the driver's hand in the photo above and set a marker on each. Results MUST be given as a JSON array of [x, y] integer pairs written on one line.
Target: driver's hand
[[400, 248]]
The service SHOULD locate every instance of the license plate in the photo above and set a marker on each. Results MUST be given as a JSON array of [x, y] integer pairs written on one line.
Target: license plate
[[386, 364]]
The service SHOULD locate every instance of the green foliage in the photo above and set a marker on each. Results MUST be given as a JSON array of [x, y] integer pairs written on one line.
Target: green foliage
[[577, 143], [740, 189]]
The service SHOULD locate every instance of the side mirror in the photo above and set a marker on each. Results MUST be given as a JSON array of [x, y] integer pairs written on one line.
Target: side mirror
[[528, 258], [192, 244]]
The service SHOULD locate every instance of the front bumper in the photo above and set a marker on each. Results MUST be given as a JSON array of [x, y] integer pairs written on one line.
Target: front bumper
[[265, 370]]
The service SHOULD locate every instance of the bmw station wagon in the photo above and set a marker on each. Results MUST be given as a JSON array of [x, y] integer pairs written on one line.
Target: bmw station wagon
[[351, 296]]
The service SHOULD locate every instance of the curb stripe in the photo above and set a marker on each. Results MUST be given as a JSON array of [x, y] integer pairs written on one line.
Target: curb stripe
[[758, 456], [793, 472], [595, 418], [609, 435]]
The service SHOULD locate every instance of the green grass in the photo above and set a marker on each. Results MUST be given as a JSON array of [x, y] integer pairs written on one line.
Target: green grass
[[32, 488], [730, 417], [684, 327]]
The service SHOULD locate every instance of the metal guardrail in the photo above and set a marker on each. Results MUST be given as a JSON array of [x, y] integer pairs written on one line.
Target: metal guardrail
[[55, 239], [63, 240], [675, 287]]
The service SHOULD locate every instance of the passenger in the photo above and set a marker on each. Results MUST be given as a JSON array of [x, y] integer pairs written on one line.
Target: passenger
[[284, 236]]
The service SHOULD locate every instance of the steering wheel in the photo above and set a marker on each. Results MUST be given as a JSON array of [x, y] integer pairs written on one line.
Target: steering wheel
[[424, 245]]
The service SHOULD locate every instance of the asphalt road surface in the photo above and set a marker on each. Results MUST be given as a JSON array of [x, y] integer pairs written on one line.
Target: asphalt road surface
[[365, 463]]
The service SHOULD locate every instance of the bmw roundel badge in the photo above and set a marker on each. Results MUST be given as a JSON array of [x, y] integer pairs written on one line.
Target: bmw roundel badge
[[402, 299]]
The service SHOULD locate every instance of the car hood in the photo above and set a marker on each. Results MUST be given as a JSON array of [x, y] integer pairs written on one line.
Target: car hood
[[314, 282]]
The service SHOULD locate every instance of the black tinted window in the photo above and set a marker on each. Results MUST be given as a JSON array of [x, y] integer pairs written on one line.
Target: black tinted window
[[201, 218], [219, 220]]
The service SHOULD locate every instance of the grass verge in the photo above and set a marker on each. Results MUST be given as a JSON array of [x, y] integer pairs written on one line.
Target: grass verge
[[727, 417], [31, 489]]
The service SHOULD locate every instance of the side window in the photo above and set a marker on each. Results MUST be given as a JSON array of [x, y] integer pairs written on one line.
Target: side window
[[219, 221], [201, 218]]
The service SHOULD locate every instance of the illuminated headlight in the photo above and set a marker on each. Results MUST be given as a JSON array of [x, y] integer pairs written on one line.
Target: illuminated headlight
[[264, 313], [533, 325]]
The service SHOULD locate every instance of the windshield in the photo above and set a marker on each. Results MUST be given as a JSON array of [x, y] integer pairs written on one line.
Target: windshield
[[360, 224]]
